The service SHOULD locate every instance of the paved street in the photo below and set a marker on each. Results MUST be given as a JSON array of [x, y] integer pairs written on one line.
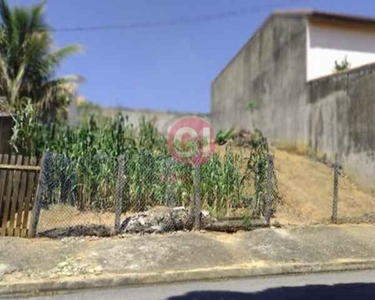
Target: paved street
[[341, 286]]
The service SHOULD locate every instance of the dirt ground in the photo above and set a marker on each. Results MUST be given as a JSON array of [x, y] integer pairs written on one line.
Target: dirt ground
[[306, 190], [306, 187], [65, 216]]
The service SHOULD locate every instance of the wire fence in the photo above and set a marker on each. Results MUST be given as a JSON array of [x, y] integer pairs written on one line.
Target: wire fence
[[142, 191]]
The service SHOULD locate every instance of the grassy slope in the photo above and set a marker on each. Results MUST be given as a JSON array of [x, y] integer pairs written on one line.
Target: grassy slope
[[306, 188]]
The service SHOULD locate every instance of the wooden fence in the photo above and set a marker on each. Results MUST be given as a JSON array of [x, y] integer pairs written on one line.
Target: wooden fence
[[19, 177], [6, 124]]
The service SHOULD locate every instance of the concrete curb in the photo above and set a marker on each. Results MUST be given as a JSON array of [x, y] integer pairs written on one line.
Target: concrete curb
[[230, 272]]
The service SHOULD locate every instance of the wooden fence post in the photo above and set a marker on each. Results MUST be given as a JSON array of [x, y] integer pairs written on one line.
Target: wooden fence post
[[7, 199], [119, 192], [39, 196], [335, 191]]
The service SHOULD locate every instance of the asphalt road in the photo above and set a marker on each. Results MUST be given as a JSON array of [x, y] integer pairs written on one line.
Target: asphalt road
[[354, 285]]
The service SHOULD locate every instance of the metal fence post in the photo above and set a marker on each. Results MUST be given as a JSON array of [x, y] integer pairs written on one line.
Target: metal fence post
[[335, 190], [39, 194], [269, 196], [119, 192], [197, 197]]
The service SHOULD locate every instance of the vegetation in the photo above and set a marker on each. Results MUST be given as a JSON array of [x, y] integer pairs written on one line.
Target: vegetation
[[28, 63], [251, 105], [110, 137], [223, 136], [257, 169], [83, 169], [342, 66]]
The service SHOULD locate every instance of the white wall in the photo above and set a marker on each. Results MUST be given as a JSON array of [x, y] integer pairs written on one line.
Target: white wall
[[327, 44]]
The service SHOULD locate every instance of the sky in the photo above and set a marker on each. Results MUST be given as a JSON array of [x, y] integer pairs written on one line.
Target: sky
[[163, 67]]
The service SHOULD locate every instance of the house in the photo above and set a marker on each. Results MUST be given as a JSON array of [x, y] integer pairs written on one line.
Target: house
[[284, 81]]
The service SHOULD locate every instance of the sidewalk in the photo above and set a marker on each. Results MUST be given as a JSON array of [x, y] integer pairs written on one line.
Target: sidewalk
[[71, 263]]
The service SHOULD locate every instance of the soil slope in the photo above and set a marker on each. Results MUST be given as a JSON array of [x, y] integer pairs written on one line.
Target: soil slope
[[306, 189]]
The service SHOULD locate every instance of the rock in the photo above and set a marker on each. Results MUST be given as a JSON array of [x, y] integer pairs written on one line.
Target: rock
[[156, 229], [179, 217], [276, 224], [66, 273], [157, 220], [142, 221], [135, 224], [163, 219], [205, 214], [62, 264]]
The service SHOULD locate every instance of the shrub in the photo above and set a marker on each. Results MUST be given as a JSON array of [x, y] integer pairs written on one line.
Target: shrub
[[223, 136]]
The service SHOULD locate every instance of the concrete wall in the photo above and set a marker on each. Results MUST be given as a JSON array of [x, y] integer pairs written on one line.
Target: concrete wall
[[270, 70], [342, 120], [5, 133], [333, 114], [160, 118], [330, 42]]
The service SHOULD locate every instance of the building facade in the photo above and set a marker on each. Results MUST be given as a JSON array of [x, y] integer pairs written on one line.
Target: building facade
[[287, 73]]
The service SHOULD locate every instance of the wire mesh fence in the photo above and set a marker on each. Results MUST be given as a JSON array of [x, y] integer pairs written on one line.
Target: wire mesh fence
[[143, 191], [77, 194], [335, 196]]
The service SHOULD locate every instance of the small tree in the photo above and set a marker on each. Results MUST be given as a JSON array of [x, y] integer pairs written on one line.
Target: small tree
[[29, 134], [28, 63]]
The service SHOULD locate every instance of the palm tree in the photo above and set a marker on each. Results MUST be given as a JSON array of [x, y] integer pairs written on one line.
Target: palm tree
[[28, 63]]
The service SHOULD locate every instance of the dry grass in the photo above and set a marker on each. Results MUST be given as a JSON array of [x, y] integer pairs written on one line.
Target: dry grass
[[61, 216], [306, 189], [305, 185]]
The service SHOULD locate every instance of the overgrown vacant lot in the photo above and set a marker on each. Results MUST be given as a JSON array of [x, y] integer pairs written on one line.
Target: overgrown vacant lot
[[306, 189]]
